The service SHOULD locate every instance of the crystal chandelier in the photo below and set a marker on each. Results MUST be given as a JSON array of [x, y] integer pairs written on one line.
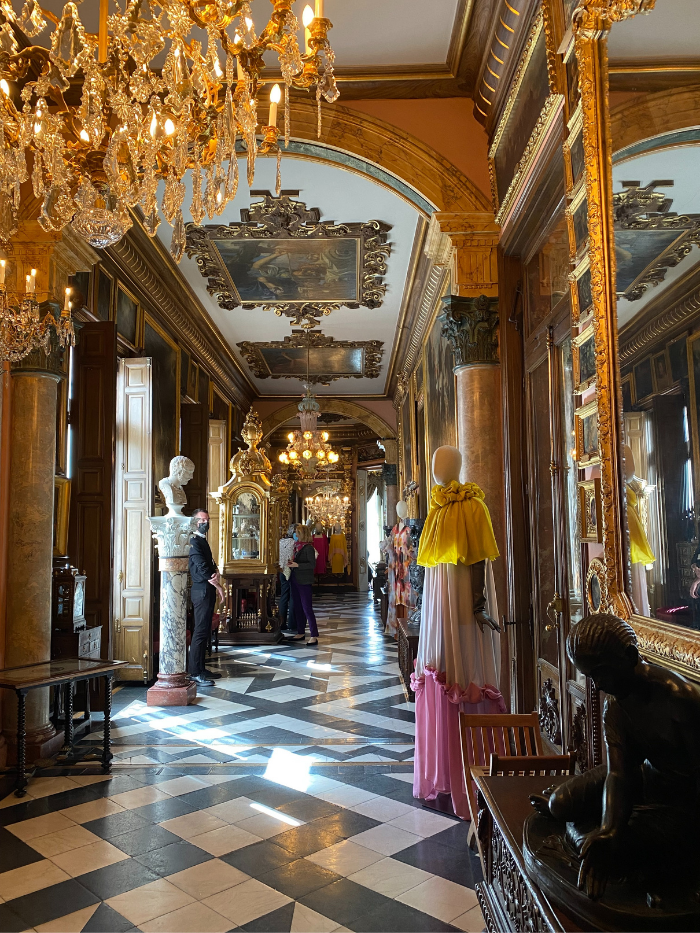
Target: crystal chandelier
[[309, 446], [153, 103], [327, 507], [22, 329]]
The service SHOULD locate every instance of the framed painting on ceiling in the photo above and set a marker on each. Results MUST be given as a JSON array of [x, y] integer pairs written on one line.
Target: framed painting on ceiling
[[292, 271]]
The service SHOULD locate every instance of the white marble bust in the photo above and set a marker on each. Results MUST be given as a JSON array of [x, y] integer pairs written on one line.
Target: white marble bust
[[181, 472]]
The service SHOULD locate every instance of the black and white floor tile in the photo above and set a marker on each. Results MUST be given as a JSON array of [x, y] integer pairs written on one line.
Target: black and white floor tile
[[280, 801]]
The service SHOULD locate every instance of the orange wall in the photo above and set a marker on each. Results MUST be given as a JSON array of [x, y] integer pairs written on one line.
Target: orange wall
[[447, 124]]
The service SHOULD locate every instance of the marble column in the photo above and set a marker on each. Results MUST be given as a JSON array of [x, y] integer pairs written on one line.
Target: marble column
[[30, 542], [172, 534], [471, 327]]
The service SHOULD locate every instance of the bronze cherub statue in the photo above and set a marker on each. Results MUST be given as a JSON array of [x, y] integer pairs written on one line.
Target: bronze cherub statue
[[632, 822]]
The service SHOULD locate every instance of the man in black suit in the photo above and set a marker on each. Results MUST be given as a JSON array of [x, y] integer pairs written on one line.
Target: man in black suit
[[205, 585]]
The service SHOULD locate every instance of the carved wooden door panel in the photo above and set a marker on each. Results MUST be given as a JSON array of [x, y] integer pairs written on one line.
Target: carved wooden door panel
[[362, 530], [92, 414], [194, 443], [548, 485], [133, 504], [218, 475]]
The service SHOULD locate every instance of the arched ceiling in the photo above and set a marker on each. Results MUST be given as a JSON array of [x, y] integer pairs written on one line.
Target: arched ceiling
[[342, 196]]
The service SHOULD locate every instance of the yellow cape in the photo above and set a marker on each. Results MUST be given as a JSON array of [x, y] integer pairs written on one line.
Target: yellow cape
[[640, 549], [458, 527]]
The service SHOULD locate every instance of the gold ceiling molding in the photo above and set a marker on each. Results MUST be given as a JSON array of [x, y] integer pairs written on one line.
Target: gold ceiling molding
[[337, 406], [371, 357], [409, 159], [655, 114]]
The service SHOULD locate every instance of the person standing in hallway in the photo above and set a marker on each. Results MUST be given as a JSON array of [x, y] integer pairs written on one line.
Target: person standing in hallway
[[205, 586], [286, 607], [303, 563]]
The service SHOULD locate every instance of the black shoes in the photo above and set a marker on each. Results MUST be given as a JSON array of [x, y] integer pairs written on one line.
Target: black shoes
[[202, 680], [212, 675]]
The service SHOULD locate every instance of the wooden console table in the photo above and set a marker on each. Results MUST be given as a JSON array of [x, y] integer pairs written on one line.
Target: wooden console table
[[59, 673], [509, 900]]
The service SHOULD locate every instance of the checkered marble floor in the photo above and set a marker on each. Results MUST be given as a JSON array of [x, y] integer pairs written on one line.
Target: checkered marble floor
[[280, 801]]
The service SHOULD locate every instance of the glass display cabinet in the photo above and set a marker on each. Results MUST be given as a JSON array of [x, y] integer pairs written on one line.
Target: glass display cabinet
[[248, 544]]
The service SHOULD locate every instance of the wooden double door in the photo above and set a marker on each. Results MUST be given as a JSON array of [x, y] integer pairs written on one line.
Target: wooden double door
[[565, 701]]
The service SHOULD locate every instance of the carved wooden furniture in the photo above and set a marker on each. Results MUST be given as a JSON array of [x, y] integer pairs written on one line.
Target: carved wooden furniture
[[66, 672], [70, 636], [509, 900], [408, 649], [248, 544], [501, 734], [522, 765]]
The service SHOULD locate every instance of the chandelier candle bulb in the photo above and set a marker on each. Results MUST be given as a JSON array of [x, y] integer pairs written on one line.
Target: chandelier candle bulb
[[319, 9], [307, 18], [2, 271], [275, 98]]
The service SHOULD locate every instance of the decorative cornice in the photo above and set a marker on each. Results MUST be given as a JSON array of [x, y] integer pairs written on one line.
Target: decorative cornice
[[471, 327], [179, 317], [675, 315], [373, 350], [431, 292]]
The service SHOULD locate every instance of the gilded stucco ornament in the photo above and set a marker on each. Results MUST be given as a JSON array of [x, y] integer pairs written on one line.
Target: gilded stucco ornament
[[591, 24], [251, 464]]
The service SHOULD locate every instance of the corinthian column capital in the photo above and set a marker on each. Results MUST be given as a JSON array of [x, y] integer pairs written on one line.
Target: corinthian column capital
[[471, 327]]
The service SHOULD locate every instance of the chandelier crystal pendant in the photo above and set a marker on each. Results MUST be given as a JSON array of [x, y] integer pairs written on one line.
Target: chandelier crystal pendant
[[22, 329], [153, 103], [308, 446]]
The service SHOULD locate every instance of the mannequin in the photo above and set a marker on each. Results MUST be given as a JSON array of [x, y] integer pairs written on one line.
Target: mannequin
[[320, 543], [401, 512], [338, 551], [387, 549], [402, 556], [458, 661], [641, 553]]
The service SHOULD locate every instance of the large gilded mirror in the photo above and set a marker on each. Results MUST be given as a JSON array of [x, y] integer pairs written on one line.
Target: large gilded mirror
[[646, 329]]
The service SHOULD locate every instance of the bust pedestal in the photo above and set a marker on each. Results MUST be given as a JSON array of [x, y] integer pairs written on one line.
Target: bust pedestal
[[172, 533]]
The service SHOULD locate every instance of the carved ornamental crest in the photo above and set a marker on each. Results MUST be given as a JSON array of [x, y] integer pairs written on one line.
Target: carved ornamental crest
[[283, 258]]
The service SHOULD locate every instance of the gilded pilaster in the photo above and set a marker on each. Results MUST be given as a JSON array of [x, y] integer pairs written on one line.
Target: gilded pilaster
[[592, 25]]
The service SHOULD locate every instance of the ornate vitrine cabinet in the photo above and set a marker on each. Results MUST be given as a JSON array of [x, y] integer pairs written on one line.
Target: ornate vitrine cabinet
[[248, 544]]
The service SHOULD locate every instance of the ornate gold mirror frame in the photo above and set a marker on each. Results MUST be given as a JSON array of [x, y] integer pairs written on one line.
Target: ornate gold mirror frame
[[666, 643]]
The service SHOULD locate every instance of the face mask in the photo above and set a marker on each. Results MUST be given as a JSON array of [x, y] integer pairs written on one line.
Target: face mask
[[295, 536], [203, 528]]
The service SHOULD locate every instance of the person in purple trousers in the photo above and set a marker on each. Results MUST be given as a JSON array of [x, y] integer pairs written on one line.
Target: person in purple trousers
[[303, 563]]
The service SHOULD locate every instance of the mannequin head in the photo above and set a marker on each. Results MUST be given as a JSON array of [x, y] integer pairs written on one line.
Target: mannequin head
[[447, 462], [628, 462], [401, 510]]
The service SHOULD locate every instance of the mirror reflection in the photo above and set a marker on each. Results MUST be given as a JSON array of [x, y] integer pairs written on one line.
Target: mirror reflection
[[656, 192]]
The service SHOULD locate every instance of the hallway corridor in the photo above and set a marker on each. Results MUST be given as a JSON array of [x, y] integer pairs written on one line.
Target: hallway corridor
[[281, 800]]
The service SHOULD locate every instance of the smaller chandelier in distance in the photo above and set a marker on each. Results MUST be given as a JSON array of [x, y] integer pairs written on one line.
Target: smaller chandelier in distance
[[327, 506], [22, 329], [308, 446]]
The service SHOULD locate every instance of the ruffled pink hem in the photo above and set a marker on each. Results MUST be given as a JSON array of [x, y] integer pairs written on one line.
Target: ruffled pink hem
[[438, 767], [472, 695]]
